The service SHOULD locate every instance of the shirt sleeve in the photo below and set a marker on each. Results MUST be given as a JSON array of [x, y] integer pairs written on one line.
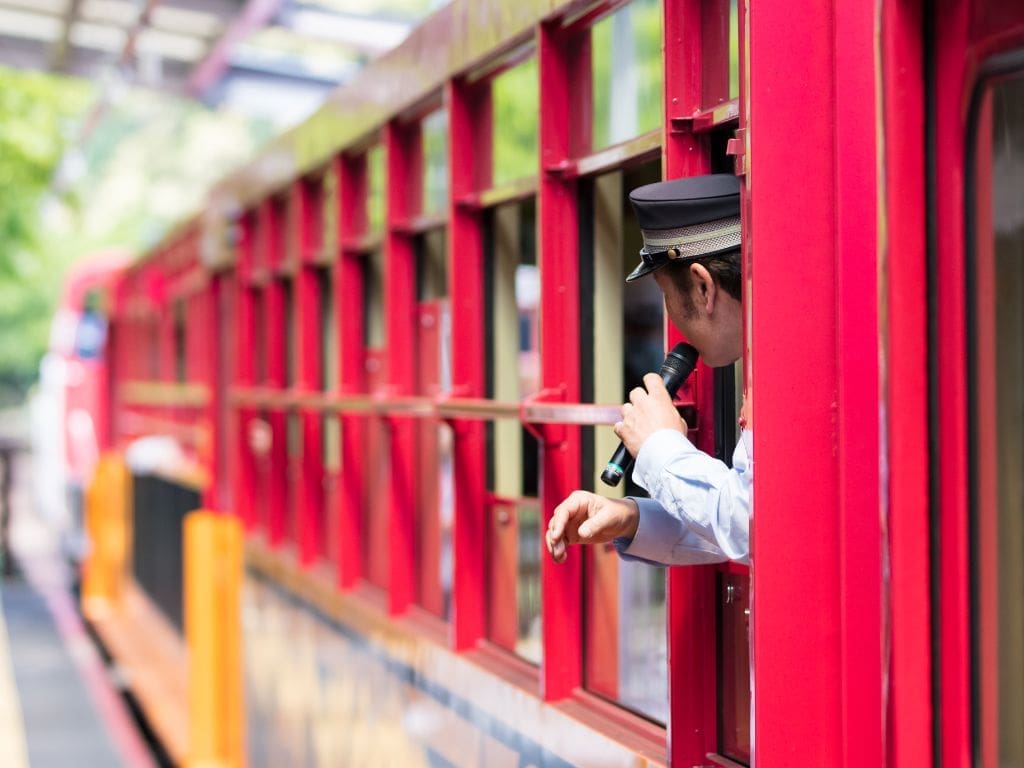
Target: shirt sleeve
[[702, 507], [661, 540]]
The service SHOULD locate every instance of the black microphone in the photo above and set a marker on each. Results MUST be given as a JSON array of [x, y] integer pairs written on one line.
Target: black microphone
[[677, 367]]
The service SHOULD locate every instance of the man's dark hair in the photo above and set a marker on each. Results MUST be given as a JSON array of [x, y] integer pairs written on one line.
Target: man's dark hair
[[724, 269]]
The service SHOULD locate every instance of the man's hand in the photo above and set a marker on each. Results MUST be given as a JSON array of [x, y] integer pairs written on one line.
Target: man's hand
[[647, 412], [586, 518]]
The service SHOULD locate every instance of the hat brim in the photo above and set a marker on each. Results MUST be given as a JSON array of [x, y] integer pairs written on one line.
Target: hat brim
[[645, 267]]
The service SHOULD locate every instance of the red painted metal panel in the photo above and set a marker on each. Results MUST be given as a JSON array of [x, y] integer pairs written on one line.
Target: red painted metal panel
[[985, 419], [246, 478], [469, 163], [860, 524], [274, 329], [404, 183], [904, 351], [310, 497], [429, 590], [796, 548], [561, 586], [690, 606], [953, 612], [348, 304]]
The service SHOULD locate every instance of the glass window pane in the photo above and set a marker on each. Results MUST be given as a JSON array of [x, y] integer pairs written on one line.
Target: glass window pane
[[328, 332], [627, 77], [376, 202], [515, 101], [513, 354], [435, 162], [625, 640], [373, 299], [329, 215], [432, 265], [434, 438], [999, 412]]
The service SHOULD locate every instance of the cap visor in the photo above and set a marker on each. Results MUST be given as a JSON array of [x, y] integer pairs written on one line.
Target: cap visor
[[642, 270]]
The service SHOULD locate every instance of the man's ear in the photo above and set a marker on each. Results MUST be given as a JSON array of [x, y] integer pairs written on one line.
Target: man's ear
[[703, 286]]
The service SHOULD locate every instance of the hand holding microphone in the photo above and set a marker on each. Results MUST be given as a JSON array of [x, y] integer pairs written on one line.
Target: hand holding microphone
[[674, 371]]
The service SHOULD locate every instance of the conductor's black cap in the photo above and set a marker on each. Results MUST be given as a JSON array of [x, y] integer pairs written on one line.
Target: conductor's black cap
[[686, 219]]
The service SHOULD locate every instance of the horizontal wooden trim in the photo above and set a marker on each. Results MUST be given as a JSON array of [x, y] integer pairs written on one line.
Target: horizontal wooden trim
[[418, 225], [725, 114], [162, 393], [514, 191], [646, 146], [528, 411]]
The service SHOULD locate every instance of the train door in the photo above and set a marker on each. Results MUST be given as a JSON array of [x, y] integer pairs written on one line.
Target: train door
[[976, 231]]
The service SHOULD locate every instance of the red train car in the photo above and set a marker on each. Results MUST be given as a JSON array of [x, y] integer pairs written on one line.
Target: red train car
[[393, 343], [71, 412]]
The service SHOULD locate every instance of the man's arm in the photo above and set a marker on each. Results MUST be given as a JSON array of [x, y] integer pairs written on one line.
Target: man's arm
[[708, 499], [641, 529]]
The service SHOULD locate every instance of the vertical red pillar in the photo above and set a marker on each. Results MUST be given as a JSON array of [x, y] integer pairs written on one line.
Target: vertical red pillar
[[561, 594], [244, 465], [275, 329], [309, 493], [469, 164], [350, 321], [906, 366], [404, 184], [798, 560], [859, 534], [692, 648]]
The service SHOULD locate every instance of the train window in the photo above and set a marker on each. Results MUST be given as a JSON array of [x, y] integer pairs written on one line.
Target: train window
[[514, 96], [373, 299], [512, 289], [328, 215], [378, 451], [375, 204], [434, 438], [331, 431], [291, 340], [626, 73], [435, 162], [180, 356], [625, 656], [997, 487]]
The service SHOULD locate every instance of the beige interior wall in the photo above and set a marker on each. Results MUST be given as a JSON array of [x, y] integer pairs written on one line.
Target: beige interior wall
[[608, 237], [508, 471]]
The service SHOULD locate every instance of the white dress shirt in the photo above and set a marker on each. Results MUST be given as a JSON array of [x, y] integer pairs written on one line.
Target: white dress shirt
[[699, 510]]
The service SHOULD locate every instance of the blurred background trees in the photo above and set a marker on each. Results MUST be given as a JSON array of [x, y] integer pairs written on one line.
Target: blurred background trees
[[72, 185]]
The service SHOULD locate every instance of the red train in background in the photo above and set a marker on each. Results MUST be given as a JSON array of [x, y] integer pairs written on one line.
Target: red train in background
[[69, 412], [392, 343]]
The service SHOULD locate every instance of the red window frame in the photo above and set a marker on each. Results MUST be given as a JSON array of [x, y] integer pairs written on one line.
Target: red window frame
[[972, 35]]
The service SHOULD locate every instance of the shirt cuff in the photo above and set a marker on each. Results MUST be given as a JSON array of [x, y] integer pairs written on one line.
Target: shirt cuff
[[655, 532], [656, 451]]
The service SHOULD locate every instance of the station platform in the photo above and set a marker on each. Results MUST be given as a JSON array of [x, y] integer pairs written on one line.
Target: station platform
[[59, 704]]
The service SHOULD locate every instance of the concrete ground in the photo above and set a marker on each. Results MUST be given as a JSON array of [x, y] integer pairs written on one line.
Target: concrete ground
[[58, 704]]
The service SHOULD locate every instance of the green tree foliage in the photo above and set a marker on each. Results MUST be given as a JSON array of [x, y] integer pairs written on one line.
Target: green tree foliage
[[37, 113]]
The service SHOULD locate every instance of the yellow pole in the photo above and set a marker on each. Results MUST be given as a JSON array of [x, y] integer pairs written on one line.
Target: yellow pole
[[107, 522], [213, 580]]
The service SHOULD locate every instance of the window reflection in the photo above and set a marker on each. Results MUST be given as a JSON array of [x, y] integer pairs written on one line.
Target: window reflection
[[998, 482], [626, 641], [435, 162], [515, 96], [513, 372], [626, 72]]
